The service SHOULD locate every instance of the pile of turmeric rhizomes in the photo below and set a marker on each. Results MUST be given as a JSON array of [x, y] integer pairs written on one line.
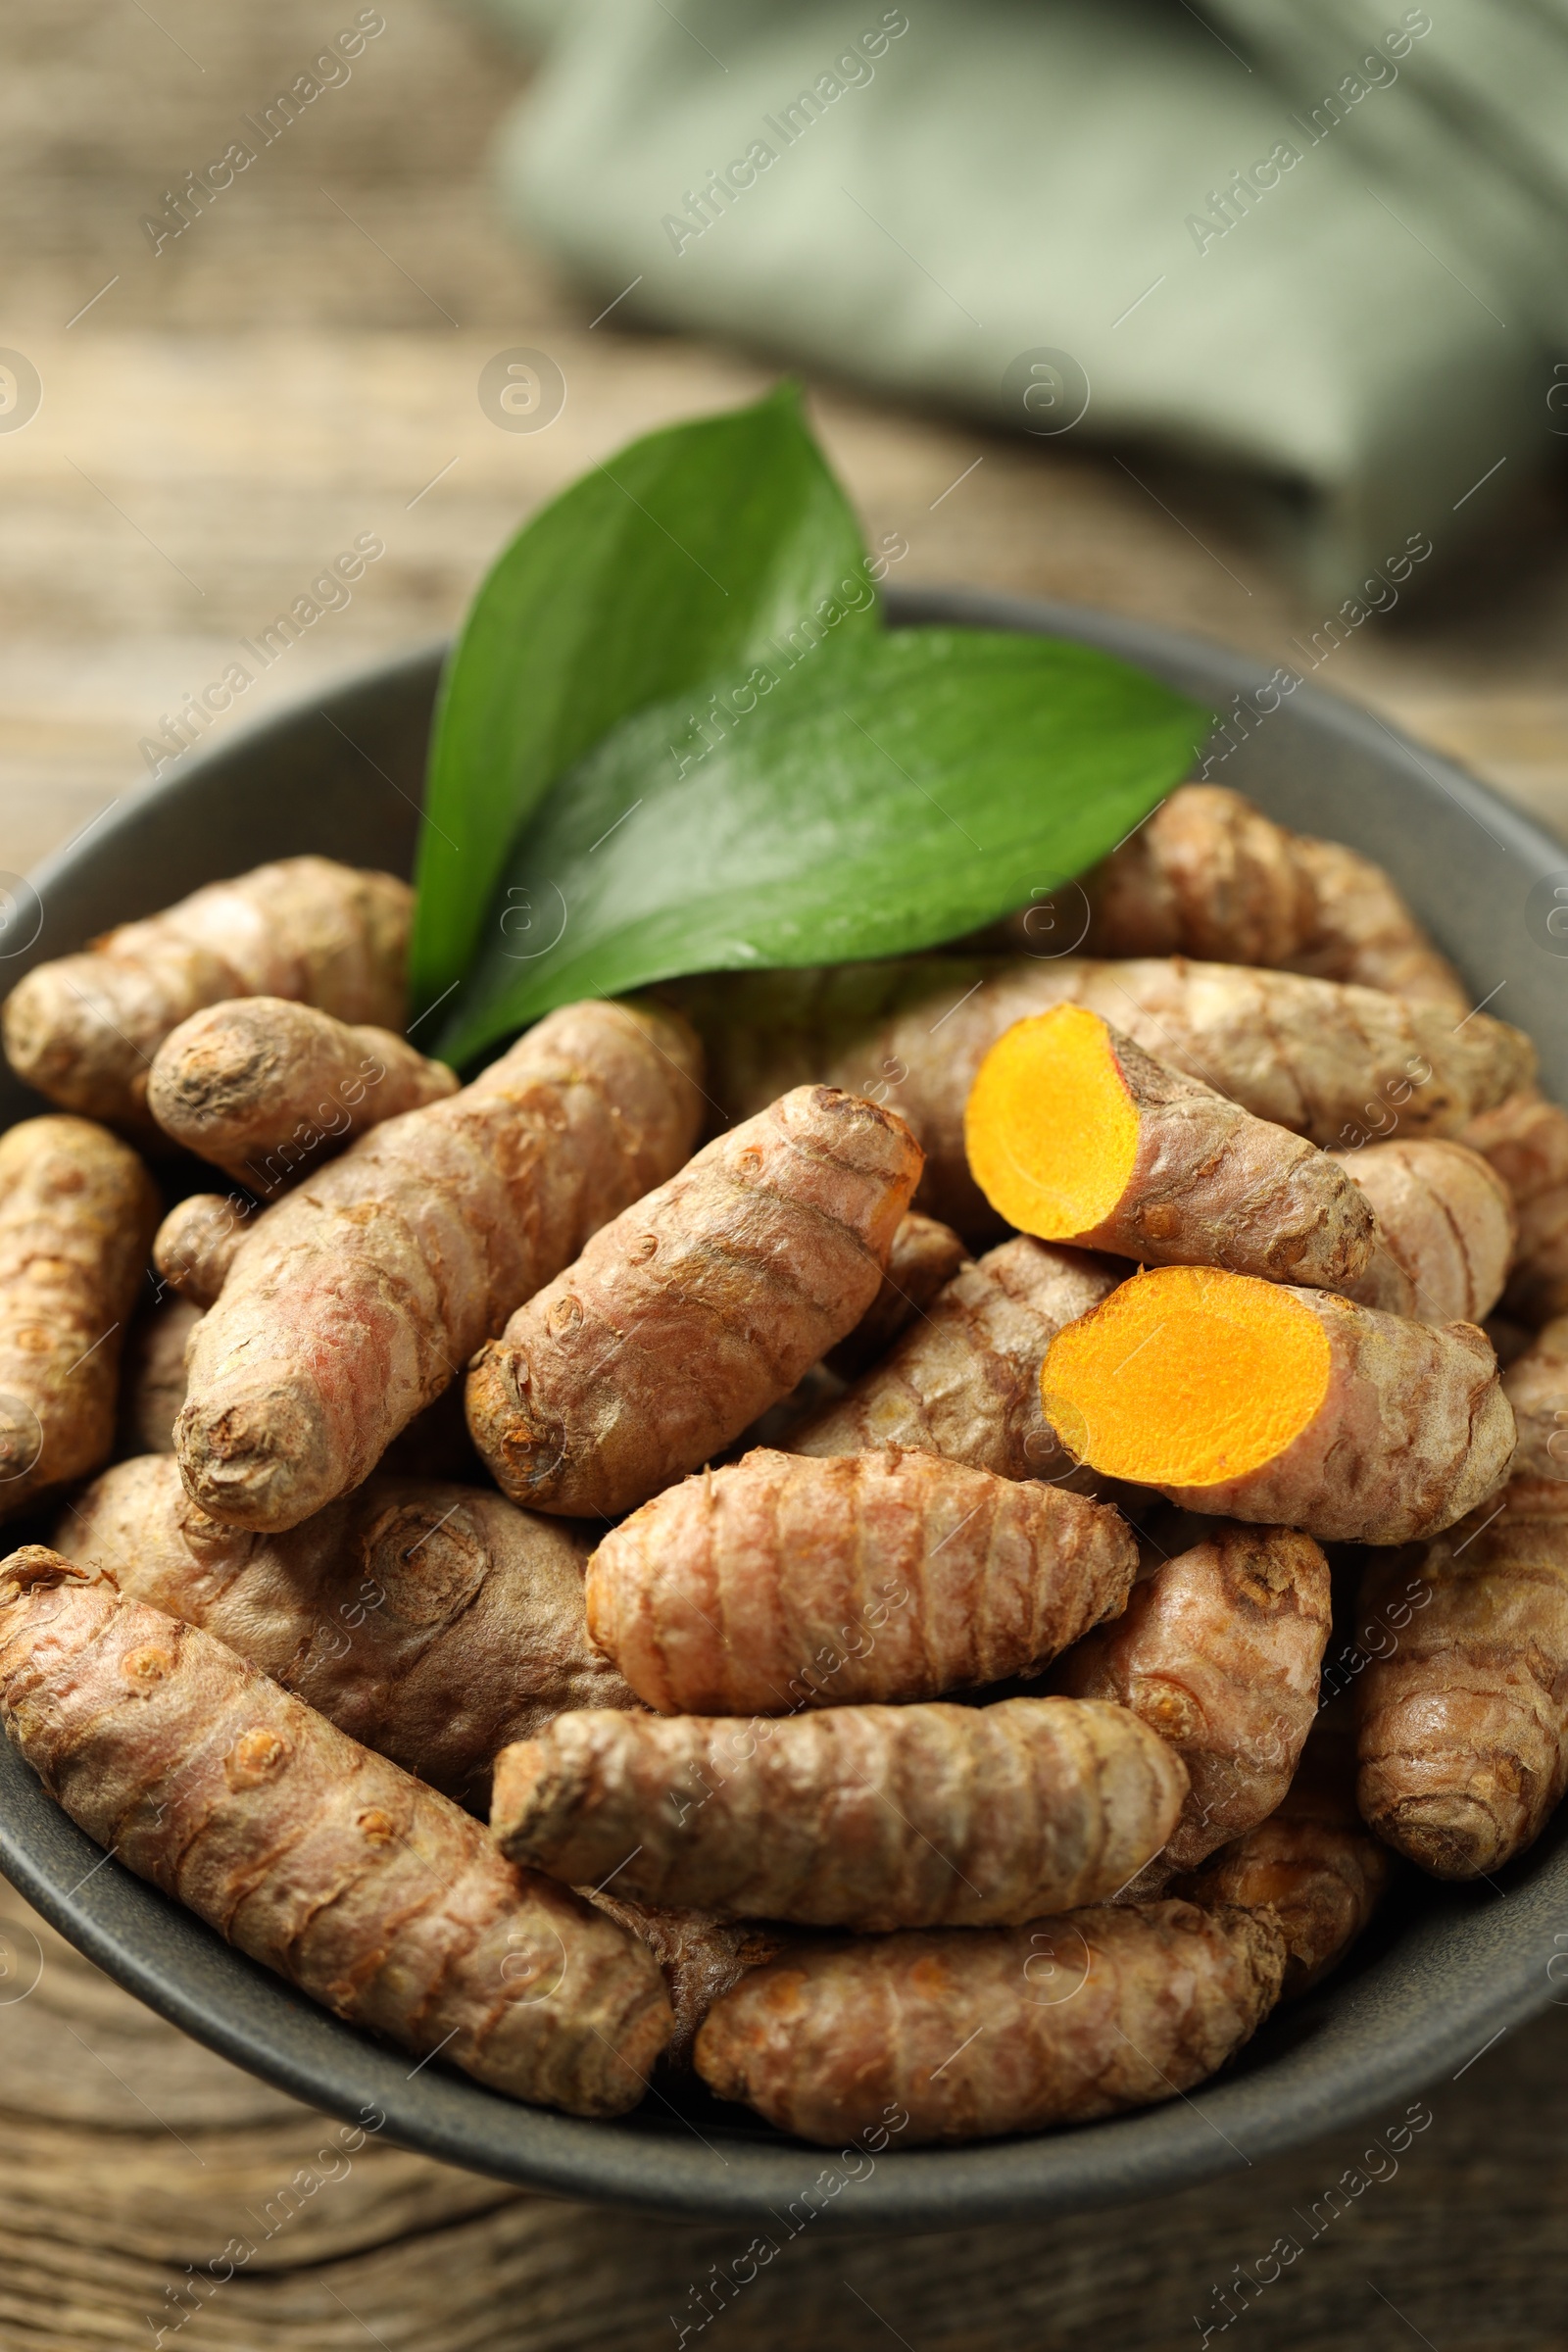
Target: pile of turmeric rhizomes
[[868, 1566]]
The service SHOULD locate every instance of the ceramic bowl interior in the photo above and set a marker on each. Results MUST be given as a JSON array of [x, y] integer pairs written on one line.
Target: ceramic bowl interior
[[1444, 1969]]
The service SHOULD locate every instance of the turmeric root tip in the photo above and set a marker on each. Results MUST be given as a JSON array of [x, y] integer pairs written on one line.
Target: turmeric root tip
[[268, 1090], [960, 2033], [1254, 1400], [857, 1817], [1075, 1134]]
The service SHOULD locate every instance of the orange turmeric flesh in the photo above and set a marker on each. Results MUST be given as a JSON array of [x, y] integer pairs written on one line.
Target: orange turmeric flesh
[[1267, 1402], [1076, 1134], [1050, 1126], [1186, 1378]]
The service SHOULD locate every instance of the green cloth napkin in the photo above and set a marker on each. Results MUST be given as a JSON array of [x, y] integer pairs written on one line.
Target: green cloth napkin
[[1123, 221]]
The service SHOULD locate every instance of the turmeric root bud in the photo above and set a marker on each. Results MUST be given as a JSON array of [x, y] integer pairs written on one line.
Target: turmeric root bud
[[1218, 1652], [788, 1582], [268, 1090], [703, 1304], [857, 1817], [1463, 1726], [76, 1212], [968, 2032], [199, 1240], [374, 1895], [83, 1029], [1075, 1134], [1258, 1401]]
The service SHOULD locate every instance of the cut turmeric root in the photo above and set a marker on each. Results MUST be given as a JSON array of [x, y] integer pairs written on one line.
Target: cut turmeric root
[[964, 2033], [83, 1029], [854, 1817], [964, 1382], [1337, 1063], [1258, 1401], [787, 1582], [701, 1304], [377, 1898], [1313, 1863], [1463, 1725], [1075, 1134], [1218, 1652]]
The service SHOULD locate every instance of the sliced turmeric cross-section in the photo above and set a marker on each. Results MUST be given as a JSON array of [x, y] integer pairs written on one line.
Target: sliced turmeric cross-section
[[1076, 1134], [1281, 1406]]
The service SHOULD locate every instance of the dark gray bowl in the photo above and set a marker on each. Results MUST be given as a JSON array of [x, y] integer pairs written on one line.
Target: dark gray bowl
[[1445, 1970]]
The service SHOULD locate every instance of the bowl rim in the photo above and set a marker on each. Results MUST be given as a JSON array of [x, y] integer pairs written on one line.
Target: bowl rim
[[1380, 2041]]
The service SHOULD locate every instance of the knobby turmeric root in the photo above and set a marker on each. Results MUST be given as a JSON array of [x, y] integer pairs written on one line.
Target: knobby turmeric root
[[152, 1386], [1446, 1230], [1219, 1652], [1333, 1062], [925, 1257], [1075, 1134], [268, 1090], [377, 1897], [788, 1582], [857, 1817], [433, 1621], [355, 1301], [974, 2032], [1259, 1401], [700, 1957], [83, 1029], [1313, 1862], [1526, 1141], [76, 1212], [1210, 875], [964, 1383], [199, 1240], [1463, 1725], [700, 1305]]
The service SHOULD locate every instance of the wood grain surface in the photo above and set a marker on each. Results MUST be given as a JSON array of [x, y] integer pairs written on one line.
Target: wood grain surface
[[217, 421]]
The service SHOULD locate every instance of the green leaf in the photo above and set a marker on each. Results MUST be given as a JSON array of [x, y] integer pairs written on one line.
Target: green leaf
[[677, 560], [882, 796]]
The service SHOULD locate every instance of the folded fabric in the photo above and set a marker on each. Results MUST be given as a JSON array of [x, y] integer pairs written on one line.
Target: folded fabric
[[1112, 220]]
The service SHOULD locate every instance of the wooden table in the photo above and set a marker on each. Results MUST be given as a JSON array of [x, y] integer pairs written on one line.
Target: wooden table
[[218, 420]]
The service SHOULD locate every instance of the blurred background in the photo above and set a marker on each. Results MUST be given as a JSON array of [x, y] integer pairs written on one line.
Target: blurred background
[[1204, 318], [232, 382]]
